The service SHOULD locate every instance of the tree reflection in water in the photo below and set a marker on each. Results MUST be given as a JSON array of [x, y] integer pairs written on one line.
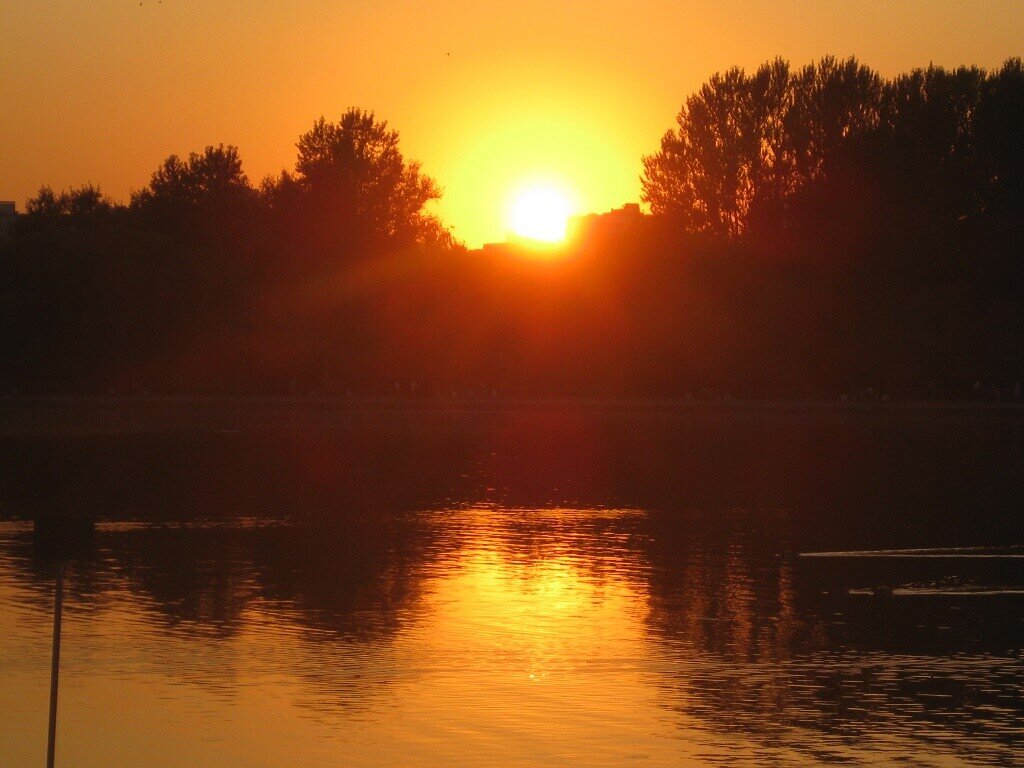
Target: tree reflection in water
[[654, 567]]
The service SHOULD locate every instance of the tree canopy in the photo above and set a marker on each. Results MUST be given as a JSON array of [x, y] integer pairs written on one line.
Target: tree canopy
[[77, 206], [353, 185], [199, 196], [748, 147], [817, 231]]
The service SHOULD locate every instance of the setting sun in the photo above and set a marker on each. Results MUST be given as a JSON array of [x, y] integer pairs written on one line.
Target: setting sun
[[540, 213]]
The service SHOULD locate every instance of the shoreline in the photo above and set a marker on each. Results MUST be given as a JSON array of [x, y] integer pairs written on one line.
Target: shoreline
[[83, 415], [506, 403]]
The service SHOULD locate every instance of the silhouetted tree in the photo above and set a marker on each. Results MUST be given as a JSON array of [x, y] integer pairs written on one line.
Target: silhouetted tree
[[730, 154], [84, 206], [815, 230], [998, 131], [354, 182], [745, 143], [203, 196], [835, 104], [702, 176]]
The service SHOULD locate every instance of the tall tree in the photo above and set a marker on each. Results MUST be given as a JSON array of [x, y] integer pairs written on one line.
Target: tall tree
[[729, 156], [1000, 136], [204, 196], [744, 143], [835, 104], [358, 185], [701, 175]]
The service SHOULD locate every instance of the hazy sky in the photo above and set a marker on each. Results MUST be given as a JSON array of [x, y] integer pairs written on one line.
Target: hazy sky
[[569, 91]]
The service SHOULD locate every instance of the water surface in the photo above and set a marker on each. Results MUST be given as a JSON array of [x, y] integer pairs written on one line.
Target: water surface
[[519, 588]]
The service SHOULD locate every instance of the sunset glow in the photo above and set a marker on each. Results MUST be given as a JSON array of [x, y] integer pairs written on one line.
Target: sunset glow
[[477, 90], [540, 213]]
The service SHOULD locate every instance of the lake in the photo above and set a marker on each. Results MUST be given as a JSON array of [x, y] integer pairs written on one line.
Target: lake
[[521, 586]]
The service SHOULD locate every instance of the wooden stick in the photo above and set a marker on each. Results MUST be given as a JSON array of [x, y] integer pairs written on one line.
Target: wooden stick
[[58, 603]]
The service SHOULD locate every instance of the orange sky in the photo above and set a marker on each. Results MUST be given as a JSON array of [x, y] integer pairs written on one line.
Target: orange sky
[[568, 91]]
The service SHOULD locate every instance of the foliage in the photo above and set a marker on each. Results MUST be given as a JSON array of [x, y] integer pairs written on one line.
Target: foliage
[[356, 180], [748, 149], [816, 231], [79, 206], [197, 197]]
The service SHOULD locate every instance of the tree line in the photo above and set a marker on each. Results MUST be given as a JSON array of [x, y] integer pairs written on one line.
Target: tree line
[[814, 232], [879, 219], [750, 147]]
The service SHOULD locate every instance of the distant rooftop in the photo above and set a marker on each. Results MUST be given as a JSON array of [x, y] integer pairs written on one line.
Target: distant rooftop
[[8, 213], [615, 220]]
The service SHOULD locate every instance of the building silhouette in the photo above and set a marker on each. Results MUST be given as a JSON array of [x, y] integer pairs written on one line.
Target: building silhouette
[[8, 214], [617, 221], [580, 229]]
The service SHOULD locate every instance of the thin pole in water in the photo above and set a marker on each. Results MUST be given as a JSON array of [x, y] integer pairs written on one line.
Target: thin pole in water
[[58, 603]]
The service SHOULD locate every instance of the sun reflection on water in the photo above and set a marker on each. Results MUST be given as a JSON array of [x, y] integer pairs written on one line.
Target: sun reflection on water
[[479, 635]]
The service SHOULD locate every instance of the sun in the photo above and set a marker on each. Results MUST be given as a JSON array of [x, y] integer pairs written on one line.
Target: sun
[[540, 213]]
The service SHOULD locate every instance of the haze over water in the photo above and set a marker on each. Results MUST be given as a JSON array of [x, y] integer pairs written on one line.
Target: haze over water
[[538, 588]]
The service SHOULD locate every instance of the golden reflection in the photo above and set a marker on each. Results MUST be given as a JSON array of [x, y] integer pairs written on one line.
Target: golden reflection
[[534, 628], [469, 636], [533, 583]]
